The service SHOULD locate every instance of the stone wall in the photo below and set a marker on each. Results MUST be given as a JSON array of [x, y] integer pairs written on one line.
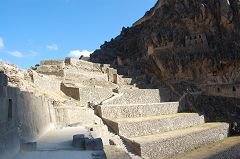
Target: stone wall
[[51, 70], [68, 115], [196, 42], [220, 109], [9, 140], [24, 117], [112, 75], [70, 90], [52, 62], [225, 90], [75, 73], [95, 95], [86, 94], [46, 82], [9, 144], [35, 116], [83, 65]]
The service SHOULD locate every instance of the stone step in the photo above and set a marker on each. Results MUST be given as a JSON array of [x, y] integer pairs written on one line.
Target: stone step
[[140, 96], [86, 94], [73, 73], [83, 65], [52, 62], [141, 126], [51, 70], [127, 81], [113, 152], [138, 110], [228, 148], [168, 144]]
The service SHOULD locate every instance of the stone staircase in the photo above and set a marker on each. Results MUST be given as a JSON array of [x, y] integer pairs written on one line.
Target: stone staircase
[[155, 128], [151, 125], [160, 130]]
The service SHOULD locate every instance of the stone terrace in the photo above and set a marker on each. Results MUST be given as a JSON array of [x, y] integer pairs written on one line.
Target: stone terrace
[[132, 122], [149, 122]]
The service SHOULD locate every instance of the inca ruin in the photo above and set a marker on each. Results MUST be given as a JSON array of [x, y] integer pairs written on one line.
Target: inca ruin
[[168, 87]]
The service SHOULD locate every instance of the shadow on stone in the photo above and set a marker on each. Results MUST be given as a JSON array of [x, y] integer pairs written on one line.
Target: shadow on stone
[[84, 143], [79, 141]]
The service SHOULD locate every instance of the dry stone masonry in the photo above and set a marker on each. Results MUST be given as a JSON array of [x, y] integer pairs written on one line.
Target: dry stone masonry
[[167, 87], [93, 108]]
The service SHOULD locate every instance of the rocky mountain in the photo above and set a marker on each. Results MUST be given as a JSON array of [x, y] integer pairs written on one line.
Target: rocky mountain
[[189, 40]]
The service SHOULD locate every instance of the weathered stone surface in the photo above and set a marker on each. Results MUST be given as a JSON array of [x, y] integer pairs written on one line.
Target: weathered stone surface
[[138, 110], [165, 145], [31, 146], [52, 62], [130, 127], [95, 95], [216, 109], [226, 149], [51, 70], [140, 96], [113, 152], [45, 82], [72, 115], [70, 90], [79, 141], [224, 90], [3, 80], [93, 144], [9, 144], [183, 40]]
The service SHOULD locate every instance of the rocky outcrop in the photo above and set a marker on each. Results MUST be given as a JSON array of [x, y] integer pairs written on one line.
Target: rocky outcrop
[[189, 40]]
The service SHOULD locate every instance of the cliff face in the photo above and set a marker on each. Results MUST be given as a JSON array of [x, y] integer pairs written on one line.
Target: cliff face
[[194, 40]]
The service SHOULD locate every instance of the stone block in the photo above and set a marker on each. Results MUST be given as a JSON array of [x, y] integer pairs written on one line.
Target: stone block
[[52, 62], [100, 131], [51, 70], [3, 80], [112, 75], [98, 155], [114, 152], [139, 110], [79, 141], [71, 61], [67, 61], [70, 91], [93, 144], [31, 146], [91, 94], [139, 96], [86, 94], [168, 144], [149, 125]]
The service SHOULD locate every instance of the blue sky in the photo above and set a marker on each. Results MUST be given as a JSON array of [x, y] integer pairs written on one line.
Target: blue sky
[[31, 30]]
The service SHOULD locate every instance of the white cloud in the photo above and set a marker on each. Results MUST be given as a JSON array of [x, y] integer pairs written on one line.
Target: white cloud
[[1, 43], [78, 53], [33, 53], [16, 54], [53, 47]]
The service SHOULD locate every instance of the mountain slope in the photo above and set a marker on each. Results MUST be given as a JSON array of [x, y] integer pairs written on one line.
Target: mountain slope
[[196, 40]]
